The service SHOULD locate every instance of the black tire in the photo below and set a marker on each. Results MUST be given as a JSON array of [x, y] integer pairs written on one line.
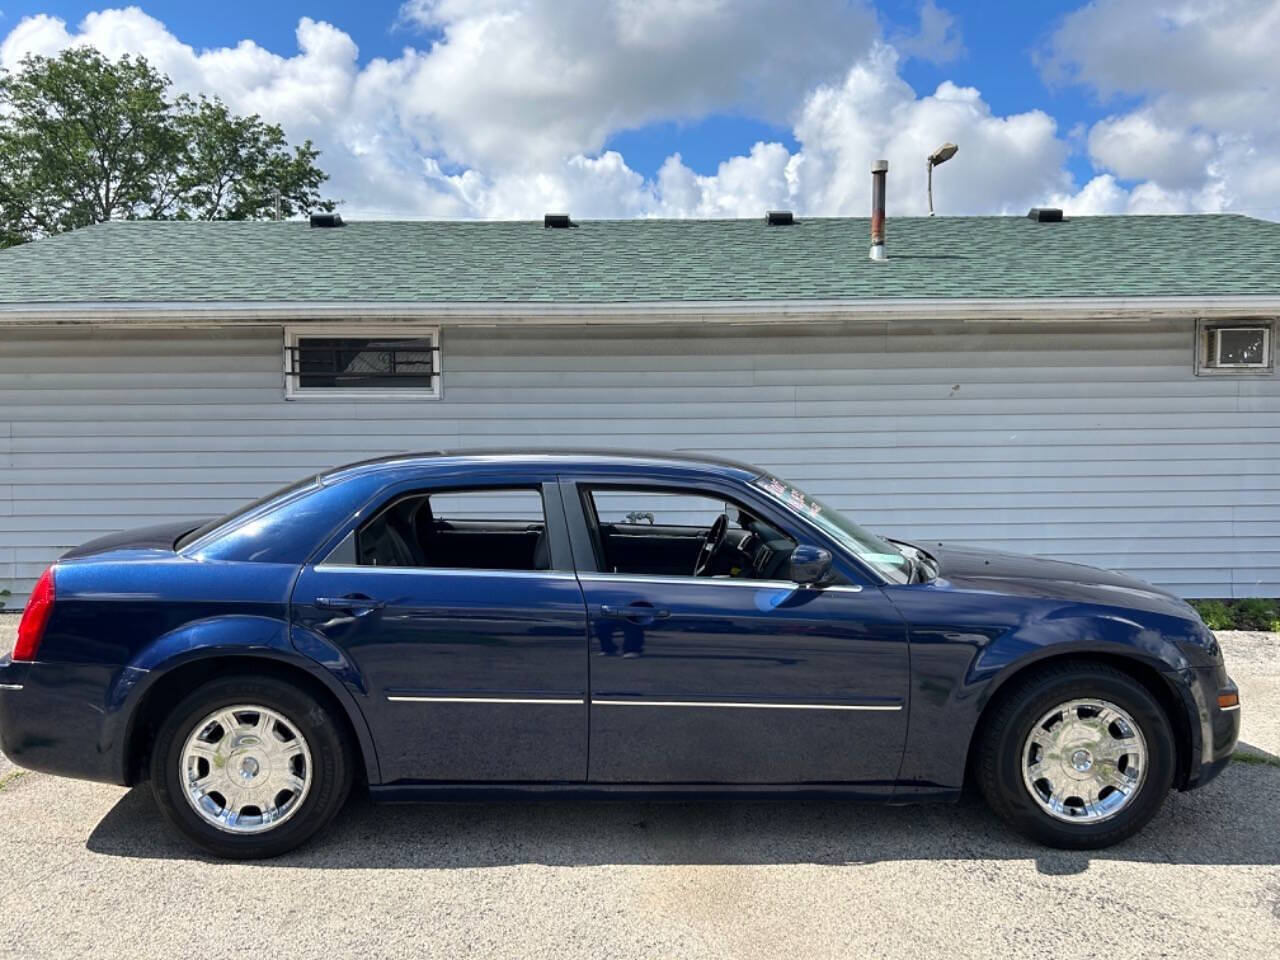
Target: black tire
[[331, 772], [1000, 758]]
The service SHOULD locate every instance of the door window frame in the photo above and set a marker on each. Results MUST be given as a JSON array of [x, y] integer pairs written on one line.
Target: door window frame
[[583, 537], [558, 537]]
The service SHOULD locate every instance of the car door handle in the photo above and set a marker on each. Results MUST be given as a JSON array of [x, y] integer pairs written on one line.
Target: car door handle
[[635, 611], [357, 604]]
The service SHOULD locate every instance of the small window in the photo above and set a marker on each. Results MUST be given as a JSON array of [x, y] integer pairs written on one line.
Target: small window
[[1235, 347], [356, 360], [458, 529]]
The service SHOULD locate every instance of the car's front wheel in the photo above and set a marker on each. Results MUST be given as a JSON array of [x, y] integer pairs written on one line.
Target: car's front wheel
[[1078, 756], [250, 766]]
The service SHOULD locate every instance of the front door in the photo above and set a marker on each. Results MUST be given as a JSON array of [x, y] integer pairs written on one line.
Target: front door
[[738, 675], [463, 626]]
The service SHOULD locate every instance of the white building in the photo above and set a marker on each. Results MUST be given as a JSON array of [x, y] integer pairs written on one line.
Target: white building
[[1097, 389]]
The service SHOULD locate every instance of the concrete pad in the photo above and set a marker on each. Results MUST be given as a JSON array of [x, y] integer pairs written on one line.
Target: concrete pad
[[91, 869]]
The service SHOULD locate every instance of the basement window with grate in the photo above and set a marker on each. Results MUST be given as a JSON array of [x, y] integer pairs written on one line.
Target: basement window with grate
[[387, 362], [1235, 346]]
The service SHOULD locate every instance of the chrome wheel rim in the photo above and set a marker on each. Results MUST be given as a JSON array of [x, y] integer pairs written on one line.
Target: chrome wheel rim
[[245, 769], [1084, 761]]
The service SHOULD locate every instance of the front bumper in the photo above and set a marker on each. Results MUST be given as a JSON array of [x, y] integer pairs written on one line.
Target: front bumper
[[1219, 728], [54, 719]]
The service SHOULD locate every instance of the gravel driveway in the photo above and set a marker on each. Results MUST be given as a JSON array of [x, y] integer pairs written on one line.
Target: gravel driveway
[[90, 868]]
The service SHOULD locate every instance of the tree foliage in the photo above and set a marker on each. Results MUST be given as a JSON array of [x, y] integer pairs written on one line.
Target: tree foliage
[[85, 139]]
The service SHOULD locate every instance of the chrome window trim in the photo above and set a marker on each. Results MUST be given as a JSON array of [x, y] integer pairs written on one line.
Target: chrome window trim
[[715, 581], [555, 701], [447, 571], [748, 705], [10, 686], [587, 577]]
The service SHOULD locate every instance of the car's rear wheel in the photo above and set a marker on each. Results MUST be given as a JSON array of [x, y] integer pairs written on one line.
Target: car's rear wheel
[[1078, 756], [250, 766]]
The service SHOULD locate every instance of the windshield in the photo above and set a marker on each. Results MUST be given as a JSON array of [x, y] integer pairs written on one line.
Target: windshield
[[200, 531], [872, 550]]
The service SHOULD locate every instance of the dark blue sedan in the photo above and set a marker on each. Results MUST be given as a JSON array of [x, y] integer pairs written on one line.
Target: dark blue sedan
[[447, 625]]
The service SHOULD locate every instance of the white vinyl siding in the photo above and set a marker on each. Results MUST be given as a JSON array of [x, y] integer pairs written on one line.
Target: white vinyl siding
[[1090, 442]]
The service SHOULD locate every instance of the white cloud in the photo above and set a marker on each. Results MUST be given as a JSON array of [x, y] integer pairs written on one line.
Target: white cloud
[[1205, 132], [505, 106], [378, 164], [506, 110], [1005, 163], [764, 179], [522, 84], [1137, 145]]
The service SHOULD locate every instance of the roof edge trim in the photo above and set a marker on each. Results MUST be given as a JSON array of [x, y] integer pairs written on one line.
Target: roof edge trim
[[1016, 309]]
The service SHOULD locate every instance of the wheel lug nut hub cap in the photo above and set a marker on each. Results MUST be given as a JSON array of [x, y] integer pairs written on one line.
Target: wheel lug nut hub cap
[[1084, 760], [246, 769]]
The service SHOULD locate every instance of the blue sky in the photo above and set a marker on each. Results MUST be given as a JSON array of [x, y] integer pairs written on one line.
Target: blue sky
[[1071, 97], [999, 38]]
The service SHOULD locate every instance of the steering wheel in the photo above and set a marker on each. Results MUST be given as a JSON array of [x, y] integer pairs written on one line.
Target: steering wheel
[[711, 546]]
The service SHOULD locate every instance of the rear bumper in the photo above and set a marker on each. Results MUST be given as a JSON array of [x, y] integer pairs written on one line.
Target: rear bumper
[[54, 718]]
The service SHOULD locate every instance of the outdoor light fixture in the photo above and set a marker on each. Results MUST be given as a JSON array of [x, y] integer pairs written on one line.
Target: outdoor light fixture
[[939, 156]]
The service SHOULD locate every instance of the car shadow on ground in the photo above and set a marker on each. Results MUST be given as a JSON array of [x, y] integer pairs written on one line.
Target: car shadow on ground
[[1230, 821]]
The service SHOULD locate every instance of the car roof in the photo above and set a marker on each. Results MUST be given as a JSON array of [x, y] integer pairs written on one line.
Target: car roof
[[621, 461]]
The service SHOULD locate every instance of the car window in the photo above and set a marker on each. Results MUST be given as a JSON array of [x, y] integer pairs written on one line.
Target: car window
[[513, 505], [654, 507], [649, 532], [489, 529], [281, 494]]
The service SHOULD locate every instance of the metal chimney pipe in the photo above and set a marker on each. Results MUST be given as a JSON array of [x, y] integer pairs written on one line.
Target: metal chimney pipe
[[879, 170]]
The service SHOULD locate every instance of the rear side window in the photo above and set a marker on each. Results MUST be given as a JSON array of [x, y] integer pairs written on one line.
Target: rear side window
[[230, 518], [490, 529], [290, 527]]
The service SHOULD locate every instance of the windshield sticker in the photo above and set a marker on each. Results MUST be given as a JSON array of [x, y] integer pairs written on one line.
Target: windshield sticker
[[868, 547], [794, 496]]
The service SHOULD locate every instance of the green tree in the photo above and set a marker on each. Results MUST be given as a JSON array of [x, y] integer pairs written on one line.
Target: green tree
[[85, 139], [235, 168], [82, 139]]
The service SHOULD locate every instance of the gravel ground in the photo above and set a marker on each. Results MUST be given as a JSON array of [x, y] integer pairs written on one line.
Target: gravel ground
[[90, 868]]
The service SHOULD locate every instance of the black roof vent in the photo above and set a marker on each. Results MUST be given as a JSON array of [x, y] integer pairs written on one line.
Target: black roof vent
[[557, 221], [779, 218], [1045, 215], [326, 219]]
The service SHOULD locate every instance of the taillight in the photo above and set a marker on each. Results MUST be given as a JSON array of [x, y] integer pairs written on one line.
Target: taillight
[[34, 618]]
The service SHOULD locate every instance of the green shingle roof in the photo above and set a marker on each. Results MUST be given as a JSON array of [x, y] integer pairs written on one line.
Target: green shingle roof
[[619, 261]]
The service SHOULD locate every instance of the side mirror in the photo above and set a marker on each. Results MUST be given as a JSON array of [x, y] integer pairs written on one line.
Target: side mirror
[[810, 565]]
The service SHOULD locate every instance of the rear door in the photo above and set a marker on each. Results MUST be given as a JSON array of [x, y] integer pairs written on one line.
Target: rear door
[[733, 679], [460, 619]]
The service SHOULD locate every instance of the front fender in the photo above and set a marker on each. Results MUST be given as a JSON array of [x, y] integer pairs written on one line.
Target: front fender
[[965, 648], [218, 638], [1067, 632]]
